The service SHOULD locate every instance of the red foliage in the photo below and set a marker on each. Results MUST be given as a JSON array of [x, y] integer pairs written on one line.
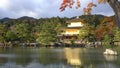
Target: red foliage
[[69, 3], [106, 25], [102, 1], [78, 4], [100, 33], [91, 4], [88, 10], [66, 3]]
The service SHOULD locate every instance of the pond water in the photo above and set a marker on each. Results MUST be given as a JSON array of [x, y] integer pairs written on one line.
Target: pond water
[[56, 58]]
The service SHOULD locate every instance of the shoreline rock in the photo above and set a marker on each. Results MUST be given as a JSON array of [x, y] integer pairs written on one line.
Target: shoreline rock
[[110, 52]]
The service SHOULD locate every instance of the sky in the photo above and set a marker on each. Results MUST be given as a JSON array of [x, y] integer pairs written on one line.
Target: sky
[[46, 9]]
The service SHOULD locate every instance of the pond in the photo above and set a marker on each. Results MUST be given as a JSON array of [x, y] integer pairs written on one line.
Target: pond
[[56, 58]]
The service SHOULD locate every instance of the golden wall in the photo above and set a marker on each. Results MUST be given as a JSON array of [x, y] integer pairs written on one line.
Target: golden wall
[[71, 31]]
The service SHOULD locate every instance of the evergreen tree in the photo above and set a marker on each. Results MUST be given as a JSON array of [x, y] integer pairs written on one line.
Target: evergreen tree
[[47, 35]]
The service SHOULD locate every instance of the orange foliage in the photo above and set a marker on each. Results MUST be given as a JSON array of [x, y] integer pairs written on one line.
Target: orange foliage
[[66, 3], [109, 23], [91, 4], [100, 33], [102, 1], [106, 25], [78, 4], [87, 10], [69, 3]]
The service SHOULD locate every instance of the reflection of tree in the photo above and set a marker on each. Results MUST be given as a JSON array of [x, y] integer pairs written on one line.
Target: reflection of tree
[[3, 60], [22, 57], [94, 57], [24, 61], [4, 55], [49, 56], [118, 60]]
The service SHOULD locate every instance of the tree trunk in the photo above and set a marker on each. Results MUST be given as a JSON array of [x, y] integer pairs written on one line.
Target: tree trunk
[[115, 4]]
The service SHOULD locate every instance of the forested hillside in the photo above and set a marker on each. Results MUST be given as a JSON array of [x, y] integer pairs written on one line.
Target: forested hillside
[[28, 29]]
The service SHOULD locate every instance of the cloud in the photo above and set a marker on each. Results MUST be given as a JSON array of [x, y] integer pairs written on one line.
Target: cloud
[[44, 8], [4, 4]]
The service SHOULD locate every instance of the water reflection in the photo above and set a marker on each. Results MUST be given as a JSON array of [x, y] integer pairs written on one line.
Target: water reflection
[[50, 56], [72, 56], [3, 60], [57, 58], [110, 57]]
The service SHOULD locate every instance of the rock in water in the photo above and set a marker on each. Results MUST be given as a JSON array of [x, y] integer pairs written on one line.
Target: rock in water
[[110, 52]]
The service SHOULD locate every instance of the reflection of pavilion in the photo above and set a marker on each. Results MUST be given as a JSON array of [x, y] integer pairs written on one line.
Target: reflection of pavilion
[[73, 57]]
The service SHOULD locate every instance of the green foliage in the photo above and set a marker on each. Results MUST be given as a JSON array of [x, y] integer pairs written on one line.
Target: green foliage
[[27, 29], [117, 34], [107, 38], [106, 45], [59, 28], [91, 38], [72, 41], [10, 36], [87, 32], [3, 30], [83, 33], [23, 32], [93, 19], [47, 35]]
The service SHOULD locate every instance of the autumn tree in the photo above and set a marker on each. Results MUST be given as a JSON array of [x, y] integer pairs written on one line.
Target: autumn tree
[[106, 25], [115, 5]]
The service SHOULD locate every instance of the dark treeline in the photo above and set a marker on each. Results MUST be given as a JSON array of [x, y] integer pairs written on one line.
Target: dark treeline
[[28, 29]]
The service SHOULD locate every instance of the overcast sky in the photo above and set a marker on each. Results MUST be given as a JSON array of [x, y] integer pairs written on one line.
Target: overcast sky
[[46, 8]]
